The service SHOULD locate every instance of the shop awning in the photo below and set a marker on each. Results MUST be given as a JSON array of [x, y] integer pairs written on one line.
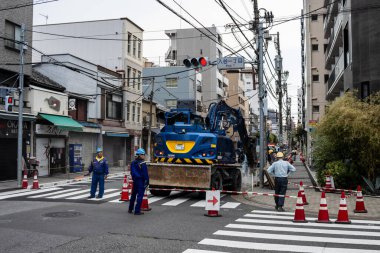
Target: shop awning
[[116, 134], [14, 116], [62, 122]]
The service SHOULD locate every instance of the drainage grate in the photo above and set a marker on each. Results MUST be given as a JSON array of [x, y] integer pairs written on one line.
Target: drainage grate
[[66, 214]]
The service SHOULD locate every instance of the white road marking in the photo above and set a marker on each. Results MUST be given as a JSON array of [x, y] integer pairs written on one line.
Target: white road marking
[[302, 230], [29, 192], [67, 194], [230, 205], [279, 247], [202, 251], [175, 202], [201, 203], [154, 199], [309, 219], [310, 224], [52, 193], [107, 196], [301, 238], [88, 194]]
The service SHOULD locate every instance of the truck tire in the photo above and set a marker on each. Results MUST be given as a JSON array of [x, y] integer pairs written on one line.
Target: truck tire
[[236, 180], [217, 181], [160, 193]]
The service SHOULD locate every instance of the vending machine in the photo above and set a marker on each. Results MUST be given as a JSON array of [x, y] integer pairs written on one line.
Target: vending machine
[[75, 157]]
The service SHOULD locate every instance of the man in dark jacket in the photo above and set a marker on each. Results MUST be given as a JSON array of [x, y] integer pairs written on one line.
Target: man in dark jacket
[[139, 173], [99, 167]]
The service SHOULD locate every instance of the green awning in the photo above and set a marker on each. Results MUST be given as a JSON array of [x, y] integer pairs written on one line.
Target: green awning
[[62, 122]]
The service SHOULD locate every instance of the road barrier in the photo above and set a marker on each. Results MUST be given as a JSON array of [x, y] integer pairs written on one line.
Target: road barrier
[[223, 191], [299, 213], [124, 190], [323, 214], [343, 213]]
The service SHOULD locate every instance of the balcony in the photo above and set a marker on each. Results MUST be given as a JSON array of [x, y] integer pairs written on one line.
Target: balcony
[[335, 82], [332, 11], [335, 41], [220, 91]]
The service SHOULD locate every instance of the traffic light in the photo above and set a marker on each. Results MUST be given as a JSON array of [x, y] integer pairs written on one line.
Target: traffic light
[[8, 103], [196, 62]]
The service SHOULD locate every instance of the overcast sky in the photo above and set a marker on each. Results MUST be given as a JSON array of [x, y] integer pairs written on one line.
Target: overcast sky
[[155, 19]]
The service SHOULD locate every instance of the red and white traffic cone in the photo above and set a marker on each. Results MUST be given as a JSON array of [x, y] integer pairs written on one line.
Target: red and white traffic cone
[[35, 181], [328, 187], [299, 214], [323, 215], [303, 194], [213, 213], [25, 180], [124, 191], [145, 203], [130, 186], [360, 208], [343, 213]]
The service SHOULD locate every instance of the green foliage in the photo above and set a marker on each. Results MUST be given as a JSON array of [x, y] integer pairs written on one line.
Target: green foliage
[[344, 176], [348, 138], [273, 138]]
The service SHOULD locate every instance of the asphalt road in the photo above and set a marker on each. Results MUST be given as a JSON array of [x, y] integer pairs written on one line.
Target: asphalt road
[[57, 222]]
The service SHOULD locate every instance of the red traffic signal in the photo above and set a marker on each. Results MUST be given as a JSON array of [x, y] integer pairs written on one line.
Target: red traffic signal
[[196, 62], [10, 100], [8, 103]]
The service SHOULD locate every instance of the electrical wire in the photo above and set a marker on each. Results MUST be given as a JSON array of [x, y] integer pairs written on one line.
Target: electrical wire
[[26, 5]]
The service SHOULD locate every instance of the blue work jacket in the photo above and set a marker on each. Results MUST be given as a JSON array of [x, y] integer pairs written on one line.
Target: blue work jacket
[[139, 171], [99, 166]]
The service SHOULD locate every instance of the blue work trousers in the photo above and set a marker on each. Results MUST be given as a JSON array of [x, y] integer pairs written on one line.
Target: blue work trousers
[[138, 189], [280, 187], [97, 178]]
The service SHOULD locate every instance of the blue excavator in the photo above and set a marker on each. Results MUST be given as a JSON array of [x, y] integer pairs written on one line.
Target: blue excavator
[[195, 153]]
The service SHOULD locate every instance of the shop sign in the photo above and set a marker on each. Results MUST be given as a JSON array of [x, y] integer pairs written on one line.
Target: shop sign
[[50, 130], [9, 128]]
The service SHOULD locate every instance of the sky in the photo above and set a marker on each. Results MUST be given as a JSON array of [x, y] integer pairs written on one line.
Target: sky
[[154, 19]]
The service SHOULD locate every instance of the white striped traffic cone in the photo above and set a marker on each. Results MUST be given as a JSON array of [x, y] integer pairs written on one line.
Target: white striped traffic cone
[[145, 203], [299, 214], [359, 207], [302, 190], [25, 180], [323, 215], [35, 181]]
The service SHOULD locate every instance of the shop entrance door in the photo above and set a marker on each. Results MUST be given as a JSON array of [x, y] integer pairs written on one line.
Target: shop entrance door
[[8, 159], [57, 160]]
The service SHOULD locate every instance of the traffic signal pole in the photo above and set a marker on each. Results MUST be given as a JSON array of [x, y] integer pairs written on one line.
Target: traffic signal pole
[[261, 101], [20, 107]]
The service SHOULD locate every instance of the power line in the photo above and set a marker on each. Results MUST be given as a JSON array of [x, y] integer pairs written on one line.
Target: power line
[[26, 5]]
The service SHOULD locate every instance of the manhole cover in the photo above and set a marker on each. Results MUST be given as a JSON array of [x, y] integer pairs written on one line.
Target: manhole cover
[[67, 214]]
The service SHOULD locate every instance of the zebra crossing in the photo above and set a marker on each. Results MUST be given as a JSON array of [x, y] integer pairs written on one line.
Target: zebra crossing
[[111, 195], [275, 232]]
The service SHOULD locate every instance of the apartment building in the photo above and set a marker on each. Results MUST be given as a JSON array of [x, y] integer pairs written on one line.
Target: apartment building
[[314, 70], [116, 44], [352, 52], [197, 44]]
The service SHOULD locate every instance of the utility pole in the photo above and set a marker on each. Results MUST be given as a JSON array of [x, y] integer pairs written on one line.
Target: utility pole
[[150, 118], [262, 91], [20, 107], [279, 85]]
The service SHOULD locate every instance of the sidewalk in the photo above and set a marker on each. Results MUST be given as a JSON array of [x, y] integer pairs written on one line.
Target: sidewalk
[[60, 179], [372, 204]]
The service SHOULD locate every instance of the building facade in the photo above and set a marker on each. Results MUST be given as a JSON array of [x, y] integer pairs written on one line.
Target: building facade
[[116, 45], [197, 45]]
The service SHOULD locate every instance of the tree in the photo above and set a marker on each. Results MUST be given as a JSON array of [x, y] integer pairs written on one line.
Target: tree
[[349, 134]]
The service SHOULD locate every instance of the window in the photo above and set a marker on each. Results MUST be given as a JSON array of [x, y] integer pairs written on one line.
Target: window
[[315, 78], [138, 80], [138, 113], [171, 82], [365, 89], [139, 49], [128, 110], [129, 43], [315, 108], [13, 32], [346, 47], [114, 106], [134, 78], [314, 47], [314, 17], [326, 78], [171, 103], [325, 47], [133, 112], [80, 112], [134, 46], [129, 76]]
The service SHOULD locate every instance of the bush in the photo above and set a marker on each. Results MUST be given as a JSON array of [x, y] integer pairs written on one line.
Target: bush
[[345, 175]]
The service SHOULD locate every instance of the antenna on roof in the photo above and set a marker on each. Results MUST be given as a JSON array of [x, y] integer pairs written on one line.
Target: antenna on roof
[[45, 16]]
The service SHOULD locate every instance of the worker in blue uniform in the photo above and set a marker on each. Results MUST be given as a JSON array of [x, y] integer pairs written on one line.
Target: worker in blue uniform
[[139, 173], [99, 169]]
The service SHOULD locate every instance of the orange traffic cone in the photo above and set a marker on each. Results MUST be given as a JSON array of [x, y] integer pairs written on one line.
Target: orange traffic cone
[[145, 203], [328, 186], [299, 214], [323, 215], [25, 180], [359, 208], [124, 191], [343, 213], [213, 213], [35, 181], [303, 194]]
